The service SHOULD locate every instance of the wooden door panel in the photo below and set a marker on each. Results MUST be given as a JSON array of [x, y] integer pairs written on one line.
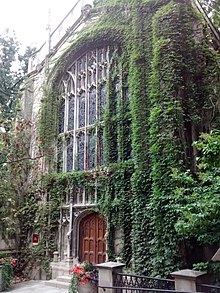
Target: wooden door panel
[[101, 242], [92, 239]]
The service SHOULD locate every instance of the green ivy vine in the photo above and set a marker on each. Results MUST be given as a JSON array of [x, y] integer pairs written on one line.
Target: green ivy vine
[[166, 79]]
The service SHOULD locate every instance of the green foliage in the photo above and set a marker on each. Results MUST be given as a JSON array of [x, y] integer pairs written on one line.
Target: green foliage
[[209, 146], [7, 275], [200, 266], [114, 202], [73, 288], [10, 79], [48, 123], [172, 77], [212, 9], [201, 213], [212, 268], [14, 166]]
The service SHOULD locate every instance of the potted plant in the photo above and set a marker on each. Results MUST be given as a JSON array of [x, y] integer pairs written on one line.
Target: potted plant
[[84, 278]]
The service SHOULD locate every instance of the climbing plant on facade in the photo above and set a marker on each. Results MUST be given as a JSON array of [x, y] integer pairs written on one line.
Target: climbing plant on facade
[[160, 95]]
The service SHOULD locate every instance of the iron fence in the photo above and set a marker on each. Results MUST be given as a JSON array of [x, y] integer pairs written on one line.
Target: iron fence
[[135, 281], [208, 288], [129, 283], [139, 290]]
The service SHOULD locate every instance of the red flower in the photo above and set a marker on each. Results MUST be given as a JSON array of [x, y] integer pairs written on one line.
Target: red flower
[[84, 273]]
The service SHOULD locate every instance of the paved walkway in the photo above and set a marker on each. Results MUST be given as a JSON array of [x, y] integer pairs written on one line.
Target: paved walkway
[[35, 287]]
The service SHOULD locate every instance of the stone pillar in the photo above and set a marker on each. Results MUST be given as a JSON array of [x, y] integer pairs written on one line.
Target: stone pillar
[[185, 280], [0, 278], [106, 271]]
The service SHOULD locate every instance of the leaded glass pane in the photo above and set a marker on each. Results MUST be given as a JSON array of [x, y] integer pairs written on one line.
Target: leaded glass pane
[[75, 197], [82, 105], [80, 150], [62, 116], [90, 196], [101, 147], [92, 106], [102, 100], [71, 112], [87, 196], [70, 154], [80, 195], [91, 149], [59, 156]]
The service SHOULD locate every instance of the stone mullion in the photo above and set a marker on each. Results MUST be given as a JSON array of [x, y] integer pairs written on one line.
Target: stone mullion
[[97, 110], [86, 117]]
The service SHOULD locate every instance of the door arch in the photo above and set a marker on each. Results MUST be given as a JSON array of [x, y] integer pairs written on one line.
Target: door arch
[[92, 231]]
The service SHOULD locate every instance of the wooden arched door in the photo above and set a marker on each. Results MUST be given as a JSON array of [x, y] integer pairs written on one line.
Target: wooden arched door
[[92, 239]]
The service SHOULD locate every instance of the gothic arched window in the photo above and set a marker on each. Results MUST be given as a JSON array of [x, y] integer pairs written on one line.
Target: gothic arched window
[[83, 100]]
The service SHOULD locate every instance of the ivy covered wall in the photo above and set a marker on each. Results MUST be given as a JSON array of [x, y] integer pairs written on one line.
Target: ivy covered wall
[[169, 72]]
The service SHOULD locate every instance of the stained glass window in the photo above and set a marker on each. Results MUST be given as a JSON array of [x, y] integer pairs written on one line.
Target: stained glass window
[[80, 195], [71, 112], [101, 147], [91, 149], [90, 196], [84, 83], [87, 196], [60, 156], [70, 154], [82, 109], [92, 106], [62, 116], [80, 151], [102, 100]]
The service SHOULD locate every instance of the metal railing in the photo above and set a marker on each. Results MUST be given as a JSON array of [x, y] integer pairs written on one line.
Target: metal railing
[[129, 280], [208, 288], [139, 290]]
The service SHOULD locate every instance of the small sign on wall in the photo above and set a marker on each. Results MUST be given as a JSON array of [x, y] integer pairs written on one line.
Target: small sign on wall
[[35, 239]]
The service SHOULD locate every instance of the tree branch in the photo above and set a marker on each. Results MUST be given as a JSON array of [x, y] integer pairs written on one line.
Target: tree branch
[[19, 160], [20, 80]]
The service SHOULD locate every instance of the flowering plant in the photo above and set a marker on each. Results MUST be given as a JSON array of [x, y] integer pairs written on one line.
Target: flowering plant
[[82, 274], [10, 260], [7, 264]]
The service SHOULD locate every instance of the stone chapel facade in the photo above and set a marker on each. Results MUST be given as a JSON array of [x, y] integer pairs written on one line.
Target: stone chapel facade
[[90, 66]]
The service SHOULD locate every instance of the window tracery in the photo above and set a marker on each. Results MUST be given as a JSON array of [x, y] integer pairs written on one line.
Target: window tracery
[[83, 94]]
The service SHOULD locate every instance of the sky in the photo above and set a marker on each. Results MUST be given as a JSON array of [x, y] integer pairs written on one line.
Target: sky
[[29, 18]]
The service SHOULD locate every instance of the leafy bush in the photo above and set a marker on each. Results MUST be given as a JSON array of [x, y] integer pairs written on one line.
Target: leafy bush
[[7, 264]]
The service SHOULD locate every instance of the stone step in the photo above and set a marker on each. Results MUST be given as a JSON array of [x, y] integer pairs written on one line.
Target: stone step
[[57, 284], [60, 269], [65, 279]]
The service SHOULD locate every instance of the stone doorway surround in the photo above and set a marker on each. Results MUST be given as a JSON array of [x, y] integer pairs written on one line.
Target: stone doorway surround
[[92, 239], [76, 233]]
